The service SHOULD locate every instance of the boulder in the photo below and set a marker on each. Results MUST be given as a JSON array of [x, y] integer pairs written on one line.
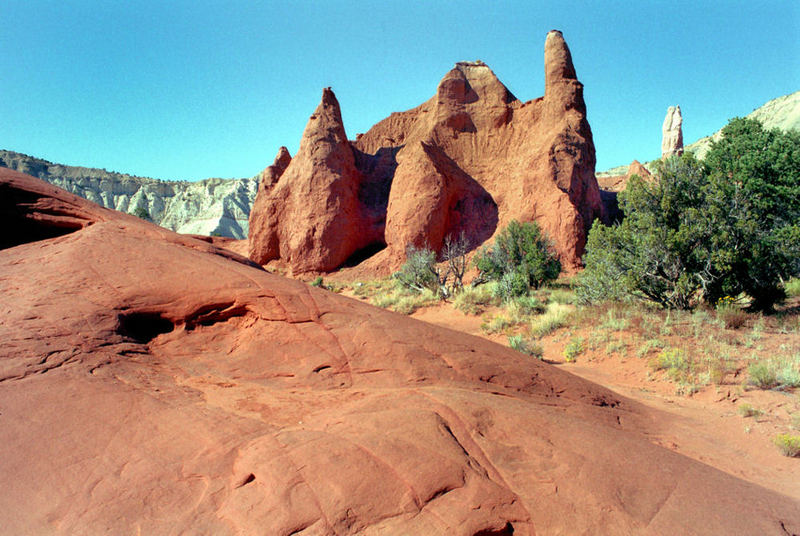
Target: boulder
[[672, 133]]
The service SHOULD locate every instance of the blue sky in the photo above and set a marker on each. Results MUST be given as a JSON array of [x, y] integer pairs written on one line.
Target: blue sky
[[195, 89]]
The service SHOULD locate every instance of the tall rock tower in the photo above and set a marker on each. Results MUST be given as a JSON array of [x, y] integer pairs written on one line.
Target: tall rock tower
[[672, 133]]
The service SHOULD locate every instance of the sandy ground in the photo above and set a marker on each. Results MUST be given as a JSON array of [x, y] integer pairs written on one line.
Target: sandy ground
[[709, 428]]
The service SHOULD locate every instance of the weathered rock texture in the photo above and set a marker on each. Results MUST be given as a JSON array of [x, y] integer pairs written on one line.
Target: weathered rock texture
[[151, 383], [218, 206], [672, 133], [469, 160]]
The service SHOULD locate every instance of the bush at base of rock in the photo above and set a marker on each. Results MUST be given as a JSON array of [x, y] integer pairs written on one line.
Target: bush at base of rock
[[520, 258]]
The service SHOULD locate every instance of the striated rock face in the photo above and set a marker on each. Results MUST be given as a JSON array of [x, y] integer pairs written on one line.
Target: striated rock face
[[171, 387], [672, 133], [218, 206], [470, 159]]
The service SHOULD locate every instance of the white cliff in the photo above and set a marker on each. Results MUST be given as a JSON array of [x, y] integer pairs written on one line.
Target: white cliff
[[210, 206]]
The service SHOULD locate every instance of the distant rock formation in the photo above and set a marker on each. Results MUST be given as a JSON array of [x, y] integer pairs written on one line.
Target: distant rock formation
[[672, 133], [470, 159], [611, 185], [211, 206]]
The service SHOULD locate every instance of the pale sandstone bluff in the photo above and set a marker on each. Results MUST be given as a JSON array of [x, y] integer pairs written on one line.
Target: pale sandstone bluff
[[151, 383], [210, 206], [468, 160], [672, 133]]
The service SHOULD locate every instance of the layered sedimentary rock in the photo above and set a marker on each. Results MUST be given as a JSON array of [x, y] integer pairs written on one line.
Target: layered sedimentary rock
[[151, 383], [672, 133], [470, 159], [210, 206]]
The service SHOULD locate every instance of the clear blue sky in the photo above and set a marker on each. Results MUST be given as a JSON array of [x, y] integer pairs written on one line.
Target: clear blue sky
[[192, 89]]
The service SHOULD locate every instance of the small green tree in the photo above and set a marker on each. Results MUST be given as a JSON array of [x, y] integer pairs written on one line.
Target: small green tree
[[141, 212], [753, 198], [705, 230], [520, 258], [658, 252]]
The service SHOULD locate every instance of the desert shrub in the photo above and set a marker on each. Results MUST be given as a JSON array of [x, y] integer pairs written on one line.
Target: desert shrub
[[497, 324], [520, 258], [573, 349], [762, 375], [419, 271], [729, 314], [554, 317], [614, 322], [526, 346], [526, 305], [792, 287], [317, 282], [454, 252], [562, 296], [649, 346], [676, 363], [788, 370], [747, 410], [617, 347], [788, 444], [704, 230], [403, 300]]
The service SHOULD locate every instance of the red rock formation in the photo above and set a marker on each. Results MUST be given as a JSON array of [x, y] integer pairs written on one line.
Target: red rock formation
[[151, 383], [611, 185], [535, 160], [264, 246], [311, 217]]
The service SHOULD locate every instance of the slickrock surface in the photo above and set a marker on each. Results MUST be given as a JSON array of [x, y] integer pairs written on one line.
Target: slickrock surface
[[152, 383], [470, 159], [672, 133]]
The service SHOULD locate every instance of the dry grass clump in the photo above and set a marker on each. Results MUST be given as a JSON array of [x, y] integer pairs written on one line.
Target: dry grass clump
[[526, 346], [782, 371], [556, 315], [747, 410], [473, 300]]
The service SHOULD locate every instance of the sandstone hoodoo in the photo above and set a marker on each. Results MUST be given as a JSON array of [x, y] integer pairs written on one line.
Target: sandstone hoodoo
[[468, 160], [151, 383], [672, 133]]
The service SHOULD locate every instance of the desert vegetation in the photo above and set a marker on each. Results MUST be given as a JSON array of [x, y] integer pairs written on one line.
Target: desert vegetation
[[691, 285], [725, 230]]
